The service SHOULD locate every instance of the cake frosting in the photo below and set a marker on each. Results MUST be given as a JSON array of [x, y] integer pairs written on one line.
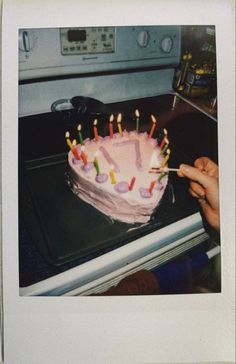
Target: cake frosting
[[112, 174]]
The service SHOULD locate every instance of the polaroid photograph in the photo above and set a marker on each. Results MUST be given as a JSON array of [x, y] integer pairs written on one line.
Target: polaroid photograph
[[100, 179], [118, 182]]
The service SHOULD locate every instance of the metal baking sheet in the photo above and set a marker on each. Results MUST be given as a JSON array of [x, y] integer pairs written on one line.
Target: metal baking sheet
[[65, 228]]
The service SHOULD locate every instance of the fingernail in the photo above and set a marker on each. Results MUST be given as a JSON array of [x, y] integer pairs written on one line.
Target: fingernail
[[184, 167]]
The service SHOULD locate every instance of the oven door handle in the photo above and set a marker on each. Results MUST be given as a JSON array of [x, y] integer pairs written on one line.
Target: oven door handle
[[88, 105], [61, 105]]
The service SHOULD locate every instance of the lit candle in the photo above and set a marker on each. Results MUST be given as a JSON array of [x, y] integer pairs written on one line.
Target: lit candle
[[131, 185], [74, 150], [111, 125], [137, 120], [153, 126], [95, 163], [163, 164], [112, 176], [166, 146], [67, 136], [163, 139], [152, 185], [83, 156], [154, 161], [79, 127], [119, 117], [95, 130]]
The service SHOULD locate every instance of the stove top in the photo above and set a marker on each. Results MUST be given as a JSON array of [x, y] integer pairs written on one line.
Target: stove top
[[51, 237]]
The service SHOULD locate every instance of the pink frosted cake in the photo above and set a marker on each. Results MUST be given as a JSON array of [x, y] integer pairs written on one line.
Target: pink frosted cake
[[112, 174]]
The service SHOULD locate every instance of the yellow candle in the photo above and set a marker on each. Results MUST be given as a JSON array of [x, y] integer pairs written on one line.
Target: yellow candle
[[67, 136], [112, 176], [164, 162], [153, 126], [119, 117], [95, 130]]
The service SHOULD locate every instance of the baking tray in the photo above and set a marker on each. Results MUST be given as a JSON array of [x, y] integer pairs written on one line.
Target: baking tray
[[64, 228]]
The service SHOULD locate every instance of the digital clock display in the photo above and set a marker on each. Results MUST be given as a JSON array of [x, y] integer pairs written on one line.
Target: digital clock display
[[76, 35]]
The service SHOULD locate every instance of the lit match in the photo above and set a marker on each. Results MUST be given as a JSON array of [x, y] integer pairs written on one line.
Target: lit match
[[163, 169]]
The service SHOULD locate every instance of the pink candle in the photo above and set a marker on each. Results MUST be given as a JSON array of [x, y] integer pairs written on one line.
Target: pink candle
[[163, 139], [111, 125], [95, 130], [153, 126], [131, 185], [163, 142], [137, 120]]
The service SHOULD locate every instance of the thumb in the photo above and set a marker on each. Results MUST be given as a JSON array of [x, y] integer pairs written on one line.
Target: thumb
[[196, 175]]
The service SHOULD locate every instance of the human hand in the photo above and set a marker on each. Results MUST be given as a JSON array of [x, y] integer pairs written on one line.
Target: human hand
[[204, 185], [208, 167]]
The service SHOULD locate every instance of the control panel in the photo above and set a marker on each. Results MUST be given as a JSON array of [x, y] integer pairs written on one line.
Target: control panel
[[66, 51], [87, 40]]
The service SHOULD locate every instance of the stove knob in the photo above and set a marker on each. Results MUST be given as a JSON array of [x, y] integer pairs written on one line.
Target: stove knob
[[166, 44], [27, 41], [143, 38]]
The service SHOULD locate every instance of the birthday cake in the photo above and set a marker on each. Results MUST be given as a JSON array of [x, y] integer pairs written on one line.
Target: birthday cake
[[113, 175]]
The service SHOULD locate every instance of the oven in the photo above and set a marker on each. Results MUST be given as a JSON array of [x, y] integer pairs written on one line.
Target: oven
[[73, 75]]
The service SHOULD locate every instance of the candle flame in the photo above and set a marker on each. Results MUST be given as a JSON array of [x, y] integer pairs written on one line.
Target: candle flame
[[111, 118], [154, 162], [165, 131], [95, 122], [67, 134], [137, 113], [153, 119], [168, 151], [74, 142], [119, 118], [79, 127]]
